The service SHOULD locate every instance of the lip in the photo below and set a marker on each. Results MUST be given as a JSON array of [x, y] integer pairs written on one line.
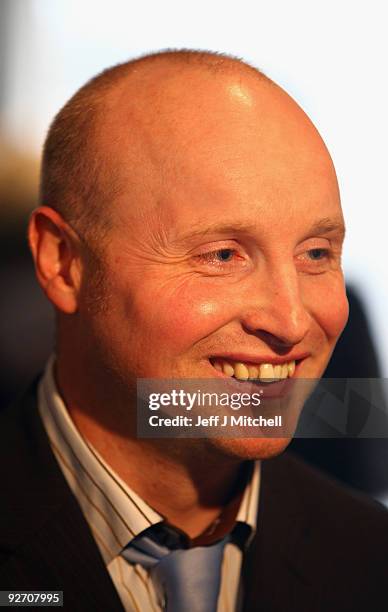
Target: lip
[[271, 391], [258, 359]]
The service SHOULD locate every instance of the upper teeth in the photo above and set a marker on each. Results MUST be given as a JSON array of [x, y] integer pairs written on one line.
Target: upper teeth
[[265, 372]]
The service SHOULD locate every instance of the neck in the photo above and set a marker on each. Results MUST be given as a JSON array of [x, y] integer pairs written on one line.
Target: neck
[[186, 482]]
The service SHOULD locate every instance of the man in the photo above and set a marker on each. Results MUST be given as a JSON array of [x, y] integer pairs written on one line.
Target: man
[[190, 227]]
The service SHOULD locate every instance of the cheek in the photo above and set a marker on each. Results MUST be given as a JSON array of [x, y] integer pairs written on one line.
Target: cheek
[[190, 321], [183, 317], [331, 309]]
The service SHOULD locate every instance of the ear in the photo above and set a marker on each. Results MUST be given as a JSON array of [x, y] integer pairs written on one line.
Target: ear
[[55, 249]]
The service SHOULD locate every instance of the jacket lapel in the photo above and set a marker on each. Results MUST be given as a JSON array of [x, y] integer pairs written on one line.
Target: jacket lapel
[[44, 538], [277, 574]]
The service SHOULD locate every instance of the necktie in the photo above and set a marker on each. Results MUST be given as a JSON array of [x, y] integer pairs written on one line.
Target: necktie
[[187, 580]]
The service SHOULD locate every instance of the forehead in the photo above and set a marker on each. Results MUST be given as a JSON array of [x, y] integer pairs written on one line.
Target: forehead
[[236, 150], [265, 216]]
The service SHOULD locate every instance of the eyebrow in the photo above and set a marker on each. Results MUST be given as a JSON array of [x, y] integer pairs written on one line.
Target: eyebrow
[[322, 226], [218, 228], [328, 225]]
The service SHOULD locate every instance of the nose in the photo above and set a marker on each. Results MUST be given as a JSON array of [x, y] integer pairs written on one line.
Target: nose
[[276, 311]]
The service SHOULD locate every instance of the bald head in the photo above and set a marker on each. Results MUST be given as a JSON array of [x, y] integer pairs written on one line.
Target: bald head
[[135, 129], [127, 103]]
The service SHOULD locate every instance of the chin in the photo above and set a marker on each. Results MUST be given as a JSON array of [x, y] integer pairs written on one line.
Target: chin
[[250, 448]]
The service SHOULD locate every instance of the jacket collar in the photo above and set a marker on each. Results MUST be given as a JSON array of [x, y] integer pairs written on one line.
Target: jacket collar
[[278, 571]]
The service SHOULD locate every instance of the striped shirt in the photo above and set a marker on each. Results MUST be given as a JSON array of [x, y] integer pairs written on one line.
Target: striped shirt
[[116, 514]]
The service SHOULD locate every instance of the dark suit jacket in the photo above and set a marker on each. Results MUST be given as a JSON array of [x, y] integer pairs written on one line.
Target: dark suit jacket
[[317, 548]]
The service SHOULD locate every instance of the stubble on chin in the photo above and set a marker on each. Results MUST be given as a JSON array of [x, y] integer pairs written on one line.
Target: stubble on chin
[[247, 449]]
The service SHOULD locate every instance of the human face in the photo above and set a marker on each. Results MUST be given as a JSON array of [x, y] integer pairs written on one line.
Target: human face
[[238, 260]]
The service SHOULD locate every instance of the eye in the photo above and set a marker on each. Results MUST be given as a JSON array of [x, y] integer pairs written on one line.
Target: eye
[[224, 255], [223, 260], [318, 254], [220, 256], [318, 259]]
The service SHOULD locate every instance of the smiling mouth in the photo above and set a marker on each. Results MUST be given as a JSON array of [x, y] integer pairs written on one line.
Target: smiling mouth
[[262, 372]]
